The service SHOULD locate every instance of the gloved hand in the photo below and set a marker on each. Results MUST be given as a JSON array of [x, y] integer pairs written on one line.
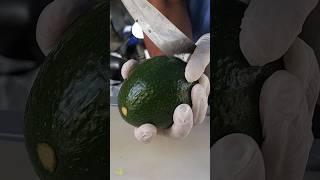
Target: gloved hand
[[269, 31], [184, 116], [55, 19]]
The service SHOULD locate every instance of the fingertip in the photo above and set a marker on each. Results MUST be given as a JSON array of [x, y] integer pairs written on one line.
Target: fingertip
[[192, 73], [198, 92], [127, 68], [204, 40], [43, 34], [183, 115], [55, 19], [145, 133], [182, 122], [198, 62]]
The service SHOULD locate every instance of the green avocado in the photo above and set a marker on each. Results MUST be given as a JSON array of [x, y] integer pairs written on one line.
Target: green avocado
[[237, 85], [153, 90], [67, 109]]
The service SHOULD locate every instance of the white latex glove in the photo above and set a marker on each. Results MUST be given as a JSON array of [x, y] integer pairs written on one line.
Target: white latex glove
[[287, 102], [287, 99], [184, 117], [55, 19], [269, 27]]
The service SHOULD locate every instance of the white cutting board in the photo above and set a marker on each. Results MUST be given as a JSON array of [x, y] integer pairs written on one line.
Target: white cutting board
[[163, 158]]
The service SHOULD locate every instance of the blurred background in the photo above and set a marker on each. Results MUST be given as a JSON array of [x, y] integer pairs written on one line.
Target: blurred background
[[20, 58], [123, 45], [19, 53]]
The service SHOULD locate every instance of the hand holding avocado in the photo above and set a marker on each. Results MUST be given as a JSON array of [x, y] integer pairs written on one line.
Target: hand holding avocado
[[184, 117], [164, 95]]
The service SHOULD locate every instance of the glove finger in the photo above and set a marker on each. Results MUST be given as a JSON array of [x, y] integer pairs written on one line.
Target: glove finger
[[182, 122], [54, 20], [199, 60], [301, 61], [127, 68], [286, 127], [237, 157], [199, 103], [145, 133], [204, 81], [270, 27], [280, 98]]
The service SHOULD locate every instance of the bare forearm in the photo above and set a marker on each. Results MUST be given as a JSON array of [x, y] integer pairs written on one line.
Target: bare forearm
[[176, 12]]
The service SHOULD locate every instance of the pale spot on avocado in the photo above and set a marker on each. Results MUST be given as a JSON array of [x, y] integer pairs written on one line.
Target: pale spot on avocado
[[124, 111], [47, 156]]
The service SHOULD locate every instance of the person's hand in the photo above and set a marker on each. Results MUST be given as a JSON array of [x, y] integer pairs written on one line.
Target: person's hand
[[55, 19], [288, 97], [287, 102], [184, 116], [269, 31]]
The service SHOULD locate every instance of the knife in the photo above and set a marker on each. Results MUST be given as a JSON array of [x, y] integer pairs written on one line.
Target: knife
[[163, 33]]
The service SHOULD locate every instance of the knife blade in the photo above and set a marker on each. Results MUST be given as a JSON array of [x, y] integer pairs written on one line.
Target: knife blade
[[162, 32]]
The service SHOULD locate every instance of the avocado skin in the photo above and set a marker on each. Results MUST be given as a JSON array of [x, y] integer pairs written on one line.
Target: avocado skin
[[236, 84], [153, 90], [68, 105]]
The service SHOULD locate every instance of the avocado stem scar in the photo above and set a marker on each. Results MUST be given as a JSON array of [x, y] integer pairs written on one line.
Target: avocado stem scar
[[124, 111], [47, 156]]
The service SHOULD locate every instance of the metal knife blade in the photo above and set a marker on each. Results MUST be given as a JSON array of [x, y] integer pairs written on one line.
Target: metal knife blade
[[163, 33]]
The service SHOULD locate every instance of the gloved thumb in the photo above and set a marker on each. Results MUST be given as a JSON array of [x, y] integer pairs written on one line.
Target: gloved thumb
[[199, 60], [55, 19]]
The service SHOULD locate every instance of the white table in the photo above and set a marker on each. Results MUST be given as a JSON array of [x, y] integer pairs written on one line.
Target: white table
[[130, 160], [163, 158]]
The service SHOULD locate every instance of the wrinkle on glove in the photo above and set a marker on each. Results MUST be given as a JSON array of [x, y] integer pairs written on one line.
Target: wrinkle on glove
[[269, 27]]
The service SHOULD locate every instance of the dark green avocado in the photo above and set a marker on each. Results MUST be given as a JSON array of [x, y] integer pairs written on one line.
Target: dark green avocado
[[237, 85], [67, 109], [153, 90]]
